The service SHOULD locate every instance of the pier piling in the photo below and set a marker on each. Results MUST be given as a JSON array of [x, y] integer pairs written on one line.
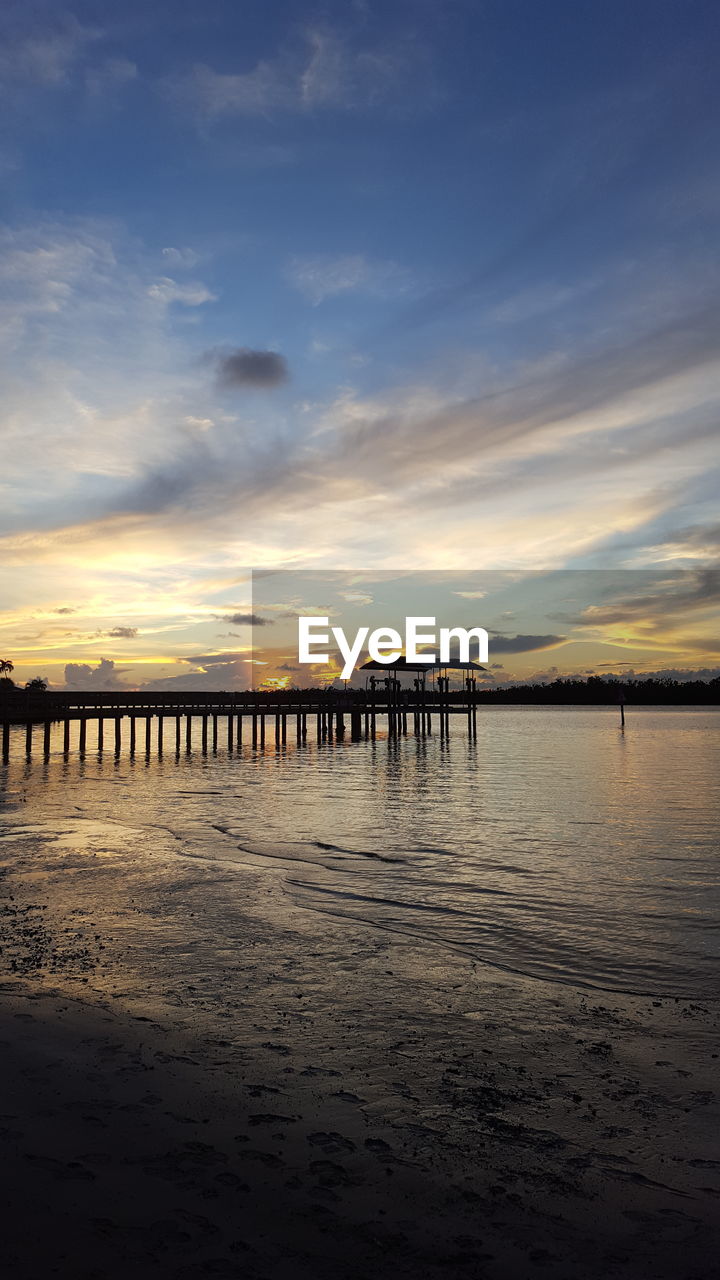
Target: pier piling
[[338, 715]]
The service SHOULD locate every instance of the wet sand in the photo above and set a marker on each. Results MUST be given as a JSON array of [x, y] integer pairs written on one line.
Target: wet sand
[[350, 1105]]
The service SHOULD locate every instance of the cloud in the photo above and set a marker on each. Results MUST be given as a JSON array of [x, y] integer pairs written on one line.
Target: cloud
[[122, 633], [523, 644], [255, 370], [192, 294], [44, 57], [665, 599], [220, 671], [180, 258], [263, 91], [509, 644], [95, 375], [215, 659], [119, 434], [245, 619], [356, 597], [231, 676], [700, 541], [199, 424], [104, 80], [80, 675], [323, 276], [325, 72]]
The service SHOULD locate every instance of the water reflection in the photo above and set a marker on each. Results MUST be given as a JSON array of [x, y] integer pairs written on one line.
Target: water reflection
[[551, 844]]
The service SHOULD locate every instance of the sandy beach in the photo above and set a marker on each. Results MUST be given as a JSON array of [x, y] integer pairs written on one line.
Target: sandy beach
[[352, 1104]]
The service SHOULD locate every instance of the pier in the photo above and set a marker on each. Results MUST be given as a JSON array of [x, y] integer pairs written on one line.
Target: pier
[[208, 722]]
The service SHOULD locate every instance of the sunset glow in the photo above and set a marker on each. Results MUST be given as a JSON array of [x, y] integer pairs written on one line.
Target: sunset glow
[[220, 353]]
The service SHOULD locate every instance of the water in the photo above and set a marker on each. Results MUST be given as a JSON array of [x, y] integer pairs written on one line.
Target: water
[[553, 845]]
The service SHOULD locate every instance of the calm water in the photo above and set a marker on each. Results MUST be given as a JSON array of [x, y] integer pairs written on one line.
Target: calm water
[[553, 845]]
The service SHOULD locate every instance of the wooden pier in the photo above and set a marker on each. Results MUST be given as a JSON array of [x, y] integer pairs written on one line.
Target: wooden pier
[[177, 722]]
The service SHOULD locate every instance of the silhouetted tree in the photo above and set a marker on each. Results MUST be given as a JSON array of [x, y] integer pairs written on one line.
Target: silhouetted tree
[[36, 685]]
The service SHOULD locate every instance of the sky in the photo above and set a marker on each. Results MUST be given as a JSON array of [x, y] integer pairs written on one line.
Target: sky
[[388, 287]]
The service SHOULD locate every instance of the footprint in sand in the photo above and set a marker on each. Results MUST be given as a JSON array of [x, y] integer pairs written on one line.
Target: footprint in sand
[[263, 1157], [268, 1117], [380, 1148], [227, 1179], [70, 1172], [330, 1142], [330, 1174]]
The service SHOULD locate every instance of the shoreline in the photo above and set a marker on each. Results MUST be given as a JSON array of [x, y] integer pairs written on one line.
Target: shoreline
[[352, 1106]]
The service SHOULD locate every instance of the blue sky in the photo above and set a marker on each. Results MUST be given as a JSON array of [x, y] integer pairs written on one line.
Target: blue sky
[[359, 285]]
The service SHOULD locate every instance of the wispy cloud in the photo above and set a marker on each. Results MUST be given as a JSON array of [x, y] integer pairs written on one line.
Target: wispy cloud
[[614, 422], [180, 259], [104, 80], [43, 54], [190, 294], [93, 367], [523, 644], [676, 597], [326, 70], [322, 276]]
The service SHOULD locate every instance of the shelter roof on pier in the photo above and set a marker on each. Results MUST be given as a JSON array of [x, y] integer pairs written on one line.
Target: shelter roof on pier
[[402, 664], [397, 664]]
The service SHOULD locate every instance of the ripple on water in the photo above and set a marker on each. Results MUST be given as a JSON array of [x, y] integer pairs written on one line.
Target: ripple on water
[[551, 846]]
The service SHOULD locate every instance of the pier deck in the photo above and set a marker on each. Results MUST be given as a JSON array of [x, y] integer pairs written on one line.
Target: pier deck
[[175, 721]]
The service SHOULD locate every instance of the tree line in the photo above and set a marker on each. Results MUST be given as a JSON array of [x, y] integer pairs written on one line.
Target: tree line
[[608, 690], [7, 684]]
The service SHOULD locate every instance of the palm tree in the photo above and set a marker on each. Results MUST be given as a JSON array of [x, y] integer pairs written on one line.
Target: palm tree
[[6, 666], [36, 685]]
